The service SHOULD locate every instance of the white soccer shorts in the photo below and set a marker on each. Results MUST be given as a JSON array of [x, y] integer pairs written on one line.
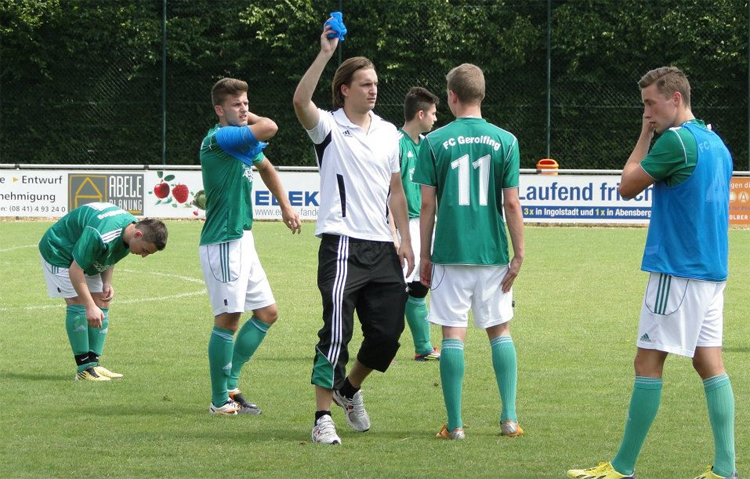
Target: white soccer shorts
[[234, 277], [681, 314], [59, 285], [416, 241], [457, 288]]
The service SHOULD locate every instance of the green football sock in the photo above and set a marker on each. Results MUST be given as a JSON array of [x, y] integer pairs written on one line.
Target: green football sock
[[416, 317], [78, 332], [97, 337], [220, 348], [644, 404], [721, 415], [452, 378], [248, 339], [506, 373]]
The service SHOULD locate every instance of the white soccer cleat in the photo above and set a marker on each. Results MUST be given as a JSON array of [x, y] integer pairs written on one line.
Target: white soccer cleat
[[228, 408], [356, 415], [324, 431]]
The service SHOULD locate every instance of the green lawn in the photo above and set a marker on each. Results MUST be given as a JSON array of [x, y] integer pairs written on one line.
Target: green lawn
[[577, 304]]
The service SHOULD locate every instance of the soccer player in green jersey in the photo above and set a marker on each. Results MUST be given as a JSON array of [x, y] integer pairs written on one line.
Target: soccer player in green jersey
[[469, 170], [420, 114], [79, 253], [235, 279], [686, 255]]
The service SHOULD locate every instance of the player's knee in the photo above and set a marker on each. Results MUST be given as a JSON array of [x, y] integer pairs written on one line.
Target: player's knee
[[377, 352], [384, 339], [707, 367], [698, 365], [417, 290], [99, 302], [268, 315], [649, 363], [228, 321], [389, 339], [73, 301]]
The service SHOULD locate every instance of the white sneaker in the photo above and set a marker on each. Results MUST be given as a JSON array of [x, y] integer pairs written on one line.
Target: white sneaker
[[356, 416], [228, 408], [324, 431]]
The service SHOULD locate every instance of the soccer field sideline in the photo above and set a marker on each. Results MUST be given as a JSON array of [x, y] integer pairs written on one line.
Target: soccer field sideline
[[575, 355]]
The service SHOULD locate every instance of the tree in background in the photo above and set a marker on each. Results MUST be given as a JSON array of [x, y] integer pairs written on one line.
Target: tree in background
[[82, 83]]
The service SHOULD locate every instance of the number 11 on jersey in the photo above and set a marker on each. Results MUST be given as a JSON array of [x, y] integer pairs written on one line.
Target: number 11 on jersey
[[464, 178]]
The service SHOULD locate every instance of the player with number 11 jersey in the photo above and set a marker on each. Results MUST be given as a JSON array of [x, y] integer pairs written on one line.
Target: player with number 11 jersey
[[470, 161]]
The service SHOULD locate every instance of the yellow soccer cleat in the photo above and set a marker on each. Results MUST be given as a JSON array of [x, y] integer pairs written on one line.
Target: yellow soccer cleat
[[89, 374], [510, 429], [102, 371], [433, 355], [457, 433], [603, 471], [710, 474]]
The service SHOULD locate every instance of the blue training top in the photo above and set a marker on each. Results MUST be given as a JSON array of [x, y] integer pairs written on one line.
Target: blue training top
[[239, 142], [688, 235]]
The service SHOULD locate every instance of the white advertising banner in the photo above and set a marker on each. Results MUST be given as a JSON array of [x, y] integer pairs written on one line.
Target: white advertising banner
[[33, 193], [169, 193], [301, 188], [580, 199]]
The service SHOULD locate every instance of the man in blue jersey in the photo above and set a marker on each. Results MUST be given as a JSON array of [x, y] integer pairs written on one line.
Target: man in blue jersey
[[686, 255]]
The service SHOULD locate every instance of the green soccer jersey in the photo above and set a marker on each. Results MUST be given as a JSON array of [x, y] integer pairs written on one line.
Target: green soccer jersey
[[674, 156], [469, 162], [91, 235], [228, 184], [408, 153]]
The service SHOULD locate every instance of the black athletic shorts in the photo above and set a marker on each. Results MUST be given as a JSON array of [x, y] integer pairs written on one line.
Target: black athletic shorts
[[365, 276]]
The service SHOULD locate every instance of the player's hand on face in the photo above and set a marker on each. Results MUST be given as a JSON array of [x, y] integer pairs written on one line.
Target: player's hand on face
[[291, 220], [647, 127], [510, 276], [328, 45], [94, 316], [425, 272]]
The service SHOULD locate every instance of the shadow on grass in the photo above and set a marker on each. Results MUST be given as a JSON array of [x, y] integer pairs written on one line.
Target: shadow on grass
[[134, 410], [258, 432], [741, 349], [296, 359], [35, 377]]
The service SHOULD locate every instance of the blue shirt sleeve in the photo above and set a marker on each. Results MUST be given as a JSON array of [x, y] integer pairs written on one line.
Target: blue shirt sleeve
[[240, 142]]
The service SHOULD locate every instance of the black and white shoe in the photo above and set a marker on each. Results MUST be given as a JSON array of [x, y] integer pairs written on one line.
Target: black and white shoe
[[246, 407]]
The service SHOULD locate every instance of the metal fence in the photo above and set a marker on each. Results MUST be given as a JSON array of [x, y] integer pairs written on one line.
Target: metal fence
[[555, 70]]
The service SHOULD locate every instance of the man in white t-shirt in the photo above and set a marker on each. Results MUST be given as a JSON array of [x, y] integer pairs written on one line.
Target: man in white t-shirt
[[358, 265]]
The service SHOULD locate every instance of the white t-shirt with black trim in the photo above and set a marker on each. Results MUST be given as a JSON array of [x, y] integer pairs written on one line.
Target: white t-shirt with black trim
[[355, 175]]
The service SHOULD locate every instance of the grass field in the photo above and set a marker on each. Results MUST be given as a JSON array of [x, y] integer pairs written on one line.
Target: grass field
[[577, 304]]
